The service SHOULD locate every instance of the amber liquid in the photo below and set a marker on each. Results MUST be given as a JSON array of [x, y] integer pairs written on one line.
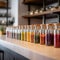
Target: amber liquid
[[32, 37], [29, 37]]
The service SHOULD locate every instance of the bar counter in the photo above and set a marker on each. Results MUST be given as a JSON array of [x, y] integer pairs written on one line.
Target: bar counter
[[29, 50]]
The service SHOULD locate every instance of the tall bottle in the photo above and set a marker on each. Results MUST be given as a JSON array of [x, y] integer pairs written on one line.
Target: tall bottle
[[32, 33], [7, 32], [42, 34], [49, 35], [28, 34], [22, 33], [57, 36], [19, 33], [37, 34], [25, 33]]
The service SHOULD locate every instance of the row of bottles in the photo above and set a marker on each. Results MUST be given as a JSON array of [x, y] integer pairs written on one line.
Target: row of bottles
[[48, 34]]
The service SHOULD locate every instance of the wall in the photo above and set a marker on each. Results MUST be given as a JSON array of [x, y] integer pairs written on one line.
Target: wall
[[14, 10]]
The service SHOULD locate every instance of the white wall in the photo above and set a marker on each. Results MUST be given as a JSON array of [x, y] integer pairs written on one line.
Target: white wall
[[14, 11]]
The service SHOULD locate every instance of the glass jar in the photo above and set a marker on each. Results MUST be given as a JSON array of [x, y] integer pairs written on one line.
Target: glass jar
[[25, 33], [28, 34], [37, 34], [18, 33], [57, 36], [42, 34], [49, 39], [22, 33], [32, 33]]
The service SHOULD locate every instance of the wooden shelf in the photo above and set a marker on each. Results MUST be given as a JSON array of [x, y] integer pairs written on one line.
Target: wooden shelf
[[40, 14], [5, 8], [39, 2]]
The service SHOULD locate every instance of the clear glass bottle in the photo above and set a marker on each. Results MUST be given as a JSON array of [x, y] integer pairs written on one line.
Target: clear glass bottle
[[57, 36], [49, 39], [19, 33], [32, 33], [37, 34], [7, 32], [22, 33], [28, 34], [25, 33], [42, 34]]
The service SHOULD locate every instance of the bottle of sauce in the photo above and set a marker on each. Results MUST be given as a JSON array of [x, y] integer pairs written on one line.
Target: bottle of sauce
[[22, 33], [25, 33], [28, 34], [49, 35], [57, 36], [37, 34], [42, 34], [32, 33]]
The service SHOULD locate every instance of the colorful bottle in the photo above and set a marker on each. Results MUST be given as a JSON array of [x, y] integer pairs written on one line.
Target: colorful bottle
[[57, 36], [22, 33], [37, 34], [28, 34], [49, 39], [25, 33], [42, 34]]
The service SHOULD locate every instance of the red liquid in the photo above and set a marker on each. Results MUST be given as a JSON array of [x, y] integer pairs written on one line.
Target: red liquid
[[57, 40]]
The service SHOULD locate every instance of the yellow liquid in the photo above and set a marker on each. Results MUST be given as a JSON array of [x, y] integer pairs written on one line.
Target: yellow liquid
[[25, 36], [22, 36], [29, 36]]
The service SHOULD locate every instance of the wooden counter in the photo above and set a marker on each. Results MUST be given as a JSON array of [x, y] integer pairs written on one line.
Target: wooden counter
[[31, 50]]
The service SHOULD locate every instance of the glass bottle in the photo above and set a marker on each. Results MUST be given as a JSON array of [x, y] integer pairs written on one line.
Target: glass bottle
[[37, 34], [19, 33], [32, 33], [28, 34], [49, 40], [57, 36], [7, 32], [22, 33], [25, 33], [42, 34]]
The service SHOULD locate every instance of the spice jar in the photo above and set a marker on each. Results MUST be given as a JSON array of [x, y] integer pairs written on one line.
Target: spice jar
[[42, 34], [57, 36], [37, 34], [49, 39]]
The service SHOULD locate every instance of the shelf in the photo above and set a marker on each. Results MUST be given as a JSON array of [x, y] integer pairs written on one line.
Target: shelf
[[4, 16], [40, 14], [38, 2], [5, 8]]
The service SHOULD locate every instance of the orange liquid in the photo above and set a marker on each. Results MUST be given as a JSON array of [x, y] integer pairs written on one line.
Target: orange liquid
[[29, 36], [42, 39], [32, 37]]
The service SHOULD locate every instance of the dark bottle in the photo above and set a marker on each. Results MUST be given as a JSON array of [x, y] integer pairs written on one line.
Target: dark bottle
[[49, 39], [57, 36], [37, 34]]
